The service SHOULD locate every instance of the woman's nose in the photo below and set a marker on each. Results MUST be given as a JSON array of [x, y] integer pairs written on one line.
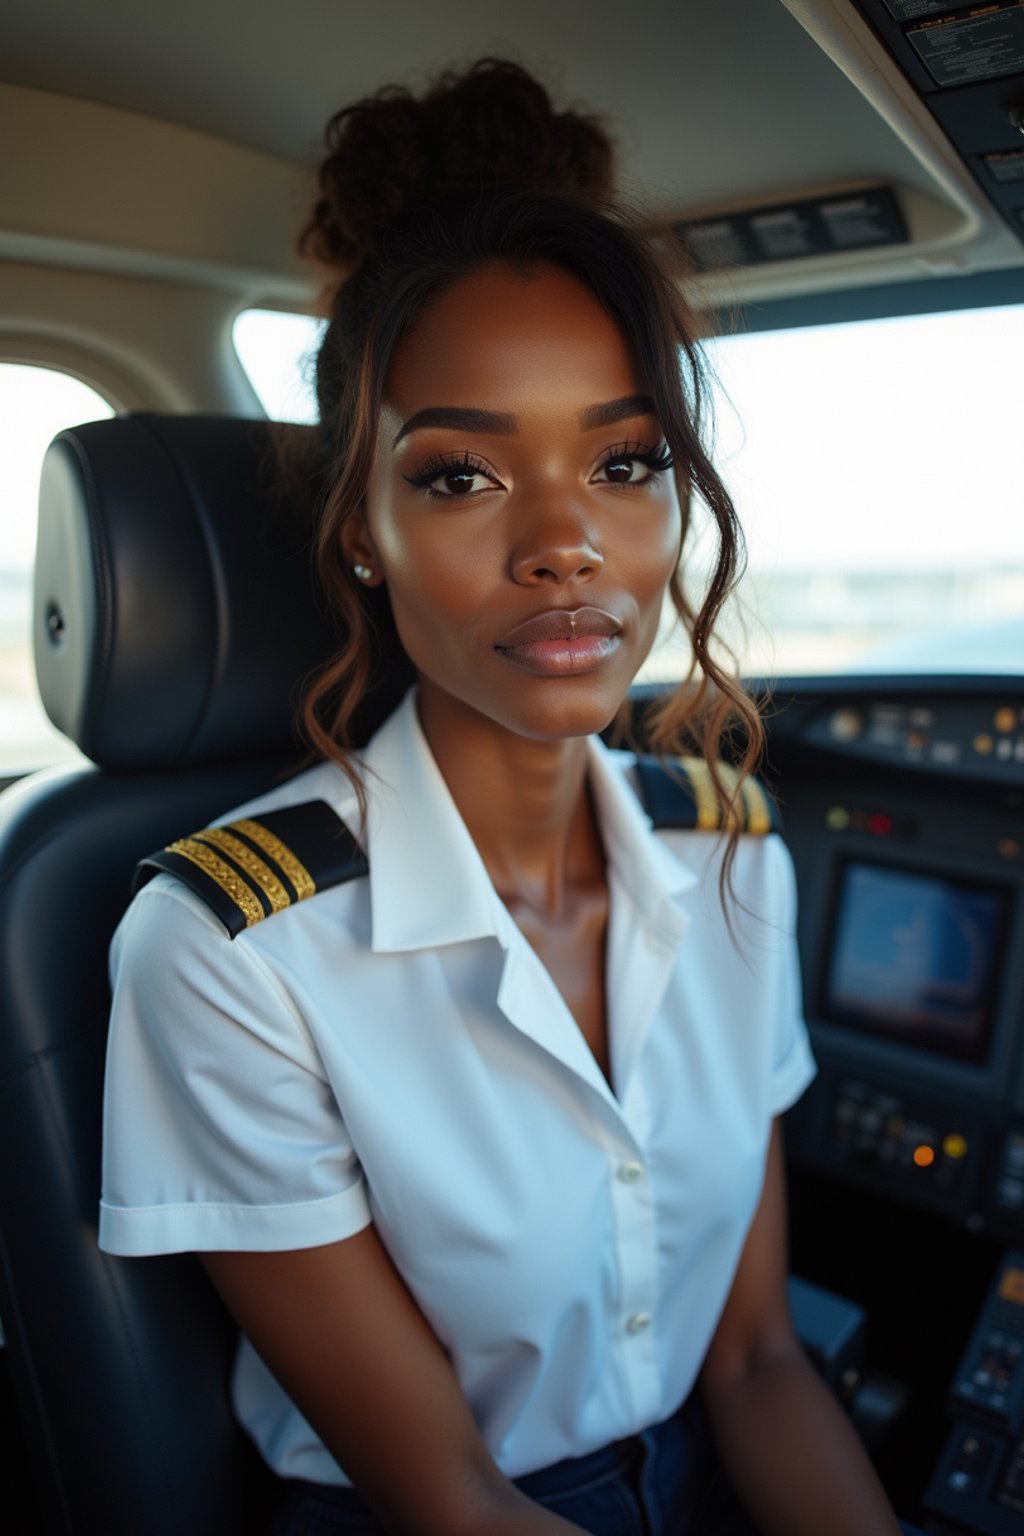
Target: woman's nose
[[558, 548]]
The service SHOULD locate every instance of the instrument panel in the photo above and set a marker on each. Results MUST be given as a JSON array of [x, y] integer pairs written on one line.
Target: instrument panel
[[903, 805]]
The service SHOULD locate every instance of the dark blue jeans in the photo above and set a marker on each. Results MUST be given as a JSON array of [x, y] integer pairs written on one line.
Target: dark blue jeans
[[667, 1481]]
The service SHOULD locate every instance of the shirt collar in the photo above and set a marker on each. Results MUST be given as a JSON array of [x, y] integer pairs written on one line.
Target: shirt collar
[[428, 883], [640, 863]]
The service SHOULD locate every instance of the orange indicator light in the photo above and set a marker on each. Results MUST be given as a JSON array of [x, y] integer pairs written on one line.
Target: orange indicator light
[[924, 1156], [1011, 1287]]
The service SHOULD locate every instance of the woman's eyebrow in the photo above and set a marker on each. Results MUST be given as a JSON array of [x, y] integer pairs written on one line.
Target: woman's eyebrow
[[617, 410], [463, 417]]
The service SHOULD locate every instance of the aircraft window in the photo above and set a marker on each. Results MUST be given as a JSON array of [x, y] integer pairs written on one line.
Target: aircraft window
[[35, 404], [875, 468], [278, 351]]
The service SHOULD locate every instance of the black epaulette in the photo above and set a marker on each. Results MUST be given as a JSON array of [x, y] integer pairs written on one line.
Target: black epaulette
[[678, 792], [251, 868]]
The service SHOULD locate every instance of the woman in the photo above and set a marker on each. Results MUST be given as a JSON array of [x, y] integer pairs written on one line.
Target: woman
[[481, 1147]]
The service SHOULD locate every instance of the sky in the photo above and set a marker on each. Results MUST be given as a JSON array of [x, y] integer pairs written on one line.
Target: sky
[[882, 445]]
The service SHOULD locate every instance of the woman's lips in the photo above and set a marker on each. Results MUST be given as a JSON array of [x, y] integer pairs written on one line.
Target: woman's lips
[[562, 641]]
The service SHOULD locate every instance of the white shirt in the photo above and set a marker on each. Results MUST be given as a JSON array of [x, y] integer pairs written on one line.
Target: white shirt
[[393, 1050]]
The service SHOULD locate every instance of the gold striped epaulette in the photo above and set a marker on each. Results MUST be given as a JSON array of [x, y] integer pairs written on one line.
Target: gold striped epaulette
[[679, 793], [251, 868]]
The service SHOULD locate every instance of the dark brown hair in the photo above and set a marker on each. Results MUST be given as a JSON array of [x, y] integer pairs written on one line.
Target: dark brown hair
[[483, 171]]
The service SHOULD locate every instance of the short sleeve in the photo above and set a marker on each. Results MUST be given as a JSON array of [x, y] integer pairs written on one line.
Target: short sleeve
[[221, 1130], [793, 1064]]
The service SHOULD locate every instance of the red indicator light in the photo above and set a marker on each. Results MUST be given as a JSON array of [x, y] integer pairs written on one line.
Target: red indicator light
[[879, 824]]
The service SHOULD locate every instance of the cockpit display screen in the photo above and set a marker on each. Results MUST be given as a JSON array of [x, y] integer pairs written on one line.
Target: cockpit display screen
[[914, 957]]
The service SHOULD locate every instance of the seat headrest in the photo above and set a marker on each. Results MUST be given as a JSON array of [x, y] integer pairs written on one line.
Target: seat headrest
[[177, 613]]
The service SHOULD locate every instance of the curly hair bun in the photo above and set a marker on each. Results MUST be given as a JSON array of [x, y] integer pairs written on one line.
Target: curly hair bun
[[492, 127]]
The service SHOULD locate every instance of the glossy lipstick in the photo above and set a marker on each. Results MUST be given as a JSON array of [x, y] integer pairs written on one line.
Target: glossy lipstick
[[562, 642]]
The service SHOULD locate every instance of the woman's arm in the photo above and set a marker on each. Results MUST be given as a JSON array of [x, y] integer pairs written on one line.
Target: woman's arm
[[340, 1331], [790, 1450]]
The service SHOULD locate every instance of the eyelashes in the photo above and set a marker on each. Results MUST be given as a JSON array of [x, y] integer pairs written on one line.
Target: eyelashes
[[460, 470], [656, 460], [448, 466]]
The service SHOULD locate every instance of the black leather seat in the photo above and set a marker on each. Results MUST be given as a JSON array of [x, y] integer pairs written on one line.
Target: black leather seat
[[176, 615]]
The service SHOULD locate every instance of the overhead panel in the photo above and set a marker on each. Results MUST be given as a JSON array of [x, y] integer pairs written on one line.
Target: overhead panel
[[812, 226], [967, 65]]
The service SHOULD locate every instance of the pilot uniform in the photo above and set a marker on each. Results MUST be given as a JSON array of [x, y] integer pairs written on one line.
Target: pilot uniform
[[392, 1050]]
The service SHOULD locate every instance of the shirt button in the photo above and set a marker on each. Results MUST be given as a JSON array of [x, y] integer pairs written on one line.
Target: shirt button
[[638, 1322], [630, 1172]]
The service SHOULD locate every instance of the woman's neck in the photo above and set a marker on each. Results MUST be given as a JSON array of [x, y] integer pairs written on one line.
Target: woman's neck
[[525, 803]]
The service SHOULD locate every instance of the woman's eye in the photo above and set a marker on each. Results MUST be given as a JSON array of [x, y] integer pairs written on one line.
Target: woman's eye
[[634, 465], [625, 470], [450, 480], [459, 482]]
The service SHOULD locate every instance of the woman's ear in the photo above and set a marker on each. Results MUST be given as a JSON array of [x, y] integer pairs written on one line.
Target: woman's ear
[[358, 551]]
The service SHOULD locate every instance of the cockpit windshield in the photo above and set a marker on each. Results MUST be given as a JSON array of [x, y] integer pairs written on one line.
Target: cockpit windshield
[[875, 468]]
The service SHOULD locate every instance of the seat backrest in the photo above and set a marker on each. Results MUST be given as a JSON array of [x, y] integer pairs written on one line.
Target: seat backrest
[[176, 615]]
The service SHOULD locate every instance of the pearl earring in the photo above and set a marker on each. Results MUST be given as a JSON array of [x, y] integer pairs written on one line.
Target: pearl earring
[[364, 572]]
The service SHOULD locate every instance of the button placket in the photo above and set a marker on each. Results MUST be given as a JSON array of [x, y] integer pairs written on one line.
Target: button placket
[[636, 1241]]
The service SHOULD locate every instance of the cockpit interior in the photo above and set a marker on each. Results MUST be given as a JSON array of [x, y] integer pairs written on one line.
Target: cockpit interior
[[847, 180]]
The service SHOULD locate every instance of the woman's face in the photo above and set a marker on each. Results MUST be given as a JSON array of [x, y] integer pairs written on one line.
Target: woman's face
[[521, 511]]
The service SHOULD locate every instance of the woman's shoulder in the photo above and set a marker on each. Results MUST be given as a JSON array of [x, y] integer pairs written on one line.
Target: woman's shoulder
[[213, 883], [677, 799], [679, 794]]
